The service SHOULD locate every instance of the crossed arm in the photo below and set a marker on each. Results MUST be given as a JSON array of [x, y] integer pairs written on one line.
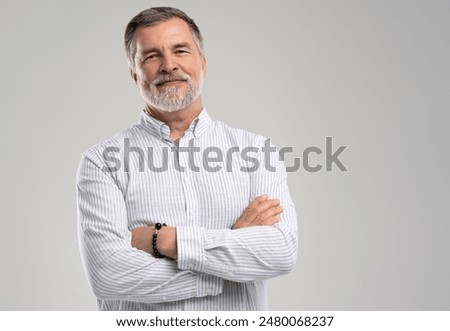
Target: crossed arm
[[262, 211], [261, 244]]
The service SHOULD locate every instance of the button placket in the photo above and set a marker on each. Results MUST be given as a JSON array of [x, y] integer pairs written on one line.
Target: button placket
[[186, 178]]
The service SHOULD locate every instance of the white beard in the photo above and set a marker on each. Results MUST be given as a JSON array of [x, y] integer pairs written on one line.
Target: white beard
[[172, 98]]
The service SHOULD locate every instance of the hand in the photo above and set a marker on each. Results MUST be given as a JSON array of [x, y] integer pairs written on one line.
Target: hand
[[261, 211], [141, 238]]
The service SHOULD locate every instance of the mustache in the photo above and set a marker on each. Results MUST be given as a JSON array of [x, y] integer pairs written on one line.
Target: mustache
[[161, 79]]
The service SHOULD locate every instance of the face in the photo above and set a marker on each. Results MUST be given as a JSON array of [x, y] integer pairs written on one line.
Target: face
[[169, 69]]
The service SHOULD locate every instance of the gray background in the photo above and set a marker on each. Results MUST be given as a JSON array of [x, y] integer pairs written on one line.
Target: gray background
[[372, 74]]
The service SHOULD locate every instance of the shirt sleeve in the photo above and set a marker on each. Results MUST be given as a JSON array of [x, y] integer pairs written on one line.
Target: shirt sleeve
[[251, 253], [116, 270]]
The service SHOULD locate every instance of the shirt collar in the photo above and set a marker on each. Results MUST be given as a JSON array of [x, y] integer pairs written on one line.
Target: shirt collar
[[161, 130]]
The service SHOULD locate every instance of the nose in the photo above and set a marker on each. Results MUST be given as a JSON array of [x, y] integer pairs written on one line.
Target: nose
[[168, 64]]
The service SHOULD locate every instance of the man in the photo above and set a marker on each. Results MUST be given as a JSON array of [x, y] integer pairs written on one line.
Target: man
[[231, 223]]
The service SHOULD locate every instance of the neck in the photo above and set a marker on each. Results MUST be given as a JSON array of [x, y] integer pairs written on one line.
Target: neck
[[177, 121]]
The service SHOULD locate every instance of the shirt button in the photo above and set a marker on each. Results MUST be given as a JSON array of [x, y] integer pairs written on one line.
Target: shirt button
[[208, 290], [190, 265]]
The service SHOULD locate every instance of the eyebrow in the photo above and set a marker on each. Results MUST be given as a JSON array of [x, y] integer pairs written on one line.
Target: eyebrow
[[149, 50], [181, 45], [176, 46]]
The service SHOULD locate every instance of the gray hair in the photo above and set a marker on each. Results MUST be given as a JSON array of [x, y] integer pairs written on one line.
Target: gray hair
[[154, 16]]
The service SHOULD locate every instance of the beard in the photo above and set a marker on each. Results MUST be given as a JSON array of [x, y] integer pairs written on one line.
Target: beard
[[172, 98]]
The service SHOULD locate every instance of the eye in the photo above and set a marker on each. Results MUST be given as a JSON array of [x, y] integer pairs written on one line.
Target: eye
[[150, 57], [180, 51]]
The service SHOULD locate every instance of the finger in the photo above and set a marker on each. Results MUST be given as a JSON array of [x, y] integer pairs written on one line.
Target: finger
[[260, 204], [258, 200], [270, 221], [271, 212], [251, 213], [266, 205]]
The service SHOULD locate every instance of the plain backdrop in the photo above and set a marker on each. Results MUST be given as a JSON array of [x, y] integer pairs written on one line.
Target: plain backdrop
[[374, 75]]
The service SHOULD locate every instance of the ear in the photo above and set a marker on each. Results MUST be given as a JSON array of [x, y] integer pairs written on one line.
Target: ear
[[133, 75], [204, 65]]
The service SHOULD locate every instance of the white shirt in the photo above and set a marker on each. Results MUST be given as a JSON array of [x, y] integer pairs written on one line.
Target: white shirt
[[217, 268]]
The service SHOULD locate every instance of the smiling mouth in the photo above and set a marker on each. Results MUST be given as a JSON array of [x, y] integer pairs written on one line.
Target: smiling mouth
[[170, 82]]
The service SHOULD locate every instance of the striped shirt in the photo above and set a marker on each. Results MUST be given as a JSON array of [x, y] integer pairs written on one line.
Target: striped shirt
[[199, 184]]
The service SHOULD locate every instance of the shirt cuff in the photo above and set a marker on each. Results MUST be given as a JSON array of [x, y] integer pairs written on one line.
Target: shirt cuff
[[190, 248], [209, 285]]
